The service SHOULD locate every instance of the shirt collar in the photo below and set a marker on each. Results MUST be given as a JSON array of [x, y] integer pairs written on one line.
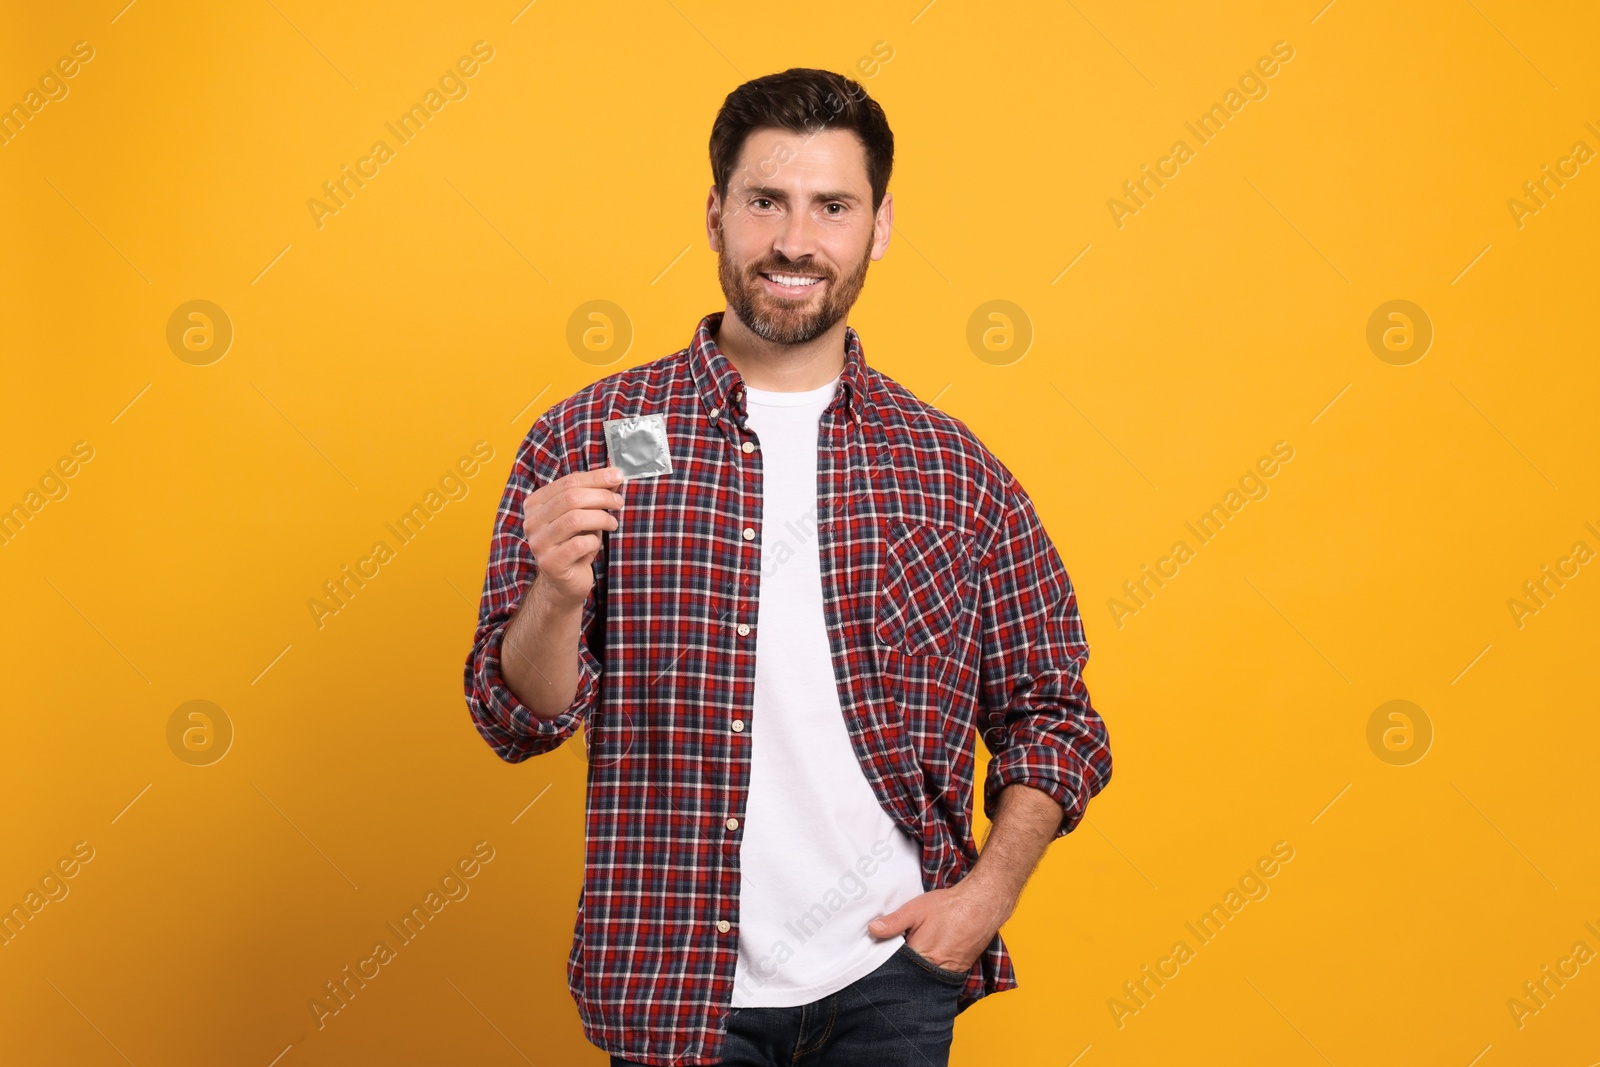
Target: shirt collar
[[721, 386]]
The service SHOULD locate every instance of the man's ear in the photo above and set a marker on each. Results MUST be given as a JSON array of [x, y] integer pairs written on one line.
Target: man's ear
[[882, 226], [713, 216]]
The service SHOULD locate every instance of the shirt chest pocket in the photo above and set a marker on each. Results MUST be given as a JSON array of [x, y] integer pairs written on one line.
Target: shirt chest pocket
[[927, 576]]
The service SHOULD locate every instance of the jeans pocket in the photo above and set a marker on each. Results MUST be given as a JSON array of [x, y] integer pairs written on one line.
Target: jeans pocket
[[943, 974]]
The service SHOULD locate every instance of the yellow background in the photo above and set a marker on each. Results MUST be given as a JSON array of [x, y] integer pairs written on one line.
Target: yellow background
[[431, 312]]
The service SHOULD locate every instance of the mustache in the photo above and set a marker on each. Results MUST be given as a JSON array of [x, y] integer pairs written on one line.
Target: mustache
[[815, 269]]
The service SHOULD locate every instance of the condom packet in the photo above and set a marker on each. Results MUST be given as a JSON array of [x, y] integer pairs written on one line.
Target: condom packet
[[637, 445]]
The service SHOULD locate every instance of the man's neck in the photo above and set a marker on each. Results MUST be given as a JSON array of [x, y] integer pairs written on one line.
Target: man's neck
[[779, 368]]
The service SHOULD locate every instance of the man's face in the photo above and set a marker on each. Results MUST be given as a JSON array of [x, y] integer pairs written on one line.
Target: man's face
[[796, 232]]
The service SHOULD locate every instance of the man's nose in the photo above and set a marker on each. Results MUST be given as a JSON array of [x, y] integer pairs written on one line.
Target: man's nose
[[798, 238]]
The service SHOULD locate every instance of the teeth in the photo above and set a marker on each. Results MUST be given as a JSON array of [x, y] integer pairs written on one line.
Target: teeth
[[794, 279]]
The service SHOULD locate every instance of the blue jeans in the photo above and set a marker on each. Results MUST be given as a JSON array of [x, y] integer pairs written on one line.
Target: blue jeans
[[901, 1015]]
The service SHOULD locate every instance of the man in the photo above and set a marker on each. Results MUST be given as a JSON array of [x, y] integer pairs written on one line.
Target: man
[[785, 647]]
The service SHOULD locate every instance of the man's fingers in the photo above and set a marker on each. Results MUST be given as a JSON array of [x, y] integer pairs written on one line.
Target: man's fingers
[[580, 520], [567, 526], [566, 502], [577, 551], [583, 489], [598, 478]]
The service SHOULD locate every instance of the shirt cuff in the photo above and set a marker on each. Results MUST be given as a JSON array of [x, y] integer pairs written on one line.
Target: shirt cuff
[[529, 734], [1058, 774]]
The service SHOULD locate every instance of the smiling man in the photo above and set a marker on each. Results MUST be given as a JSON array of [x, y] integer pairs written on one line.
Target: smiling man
[[784, 641]]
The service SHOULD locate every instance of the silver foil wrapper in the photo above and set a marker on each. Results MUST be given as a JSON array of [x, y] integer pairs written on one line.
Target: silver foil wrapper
[[637, 445]]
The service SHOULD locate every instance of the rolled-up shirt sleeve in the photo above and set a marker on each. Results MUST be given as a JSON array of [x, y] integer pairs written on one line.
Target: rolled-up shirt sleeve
[[508, 725], [1036, 717]]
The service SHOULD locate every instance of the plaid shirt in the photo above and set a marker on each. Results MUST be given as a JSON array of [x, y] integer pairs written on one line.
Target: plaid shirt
[[950, 617]]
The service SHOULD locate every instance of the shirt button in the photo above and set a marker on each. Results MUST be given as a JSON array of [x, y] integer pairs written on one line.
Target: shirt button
[[749, 533], [715, 412], [738, 726], [744, 629], [733, 824], [723, 926], [748, 447]]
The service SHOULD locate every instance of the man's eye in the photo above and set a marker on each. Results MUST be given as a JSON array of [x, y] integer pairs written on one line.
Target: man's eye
[[758, 201], [837, 205]]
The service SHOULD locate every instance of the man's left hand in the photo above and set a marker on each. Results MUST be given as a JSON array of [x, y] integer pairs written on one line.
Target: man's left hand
[[949, 927]]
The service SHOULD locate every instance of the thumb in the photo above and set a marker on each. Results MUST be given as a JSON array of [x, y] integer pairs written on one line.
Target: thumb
[[895, 922]]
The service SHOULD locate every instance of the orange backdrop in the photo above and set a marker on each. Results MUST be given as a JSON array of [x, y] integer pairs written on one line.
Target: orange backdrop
[[1273, 307]]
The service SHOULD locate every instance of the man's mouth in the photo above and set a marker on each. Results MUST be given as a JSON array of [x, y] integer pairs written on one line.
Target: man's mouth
[[791, 283]]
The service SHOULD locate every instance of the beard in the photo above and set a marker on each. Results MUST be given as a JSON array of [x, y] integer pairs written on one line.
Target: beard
[[788, 321]]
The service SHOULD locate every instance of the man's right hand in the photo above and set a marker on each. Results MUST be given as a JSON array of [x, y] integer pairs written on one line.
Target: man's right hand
[[562, 523]]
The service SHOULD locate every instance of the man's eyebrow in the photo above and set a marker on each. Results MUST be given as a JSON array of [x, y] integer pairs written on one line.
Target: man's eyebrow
[[774, 193]]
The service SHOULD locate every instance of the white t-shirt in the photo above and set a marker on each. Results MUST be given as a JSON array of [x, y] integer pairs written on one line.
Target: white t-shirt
[[820, 857]]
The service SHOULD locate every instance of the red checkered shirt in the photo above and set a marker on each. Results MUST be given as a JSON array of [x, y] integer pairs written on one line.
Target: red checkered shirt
[[950, 618]]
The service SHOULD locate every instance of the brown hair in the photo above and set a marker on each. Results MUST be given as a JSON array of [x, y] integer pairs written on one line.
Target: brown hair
[[804, 100]]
